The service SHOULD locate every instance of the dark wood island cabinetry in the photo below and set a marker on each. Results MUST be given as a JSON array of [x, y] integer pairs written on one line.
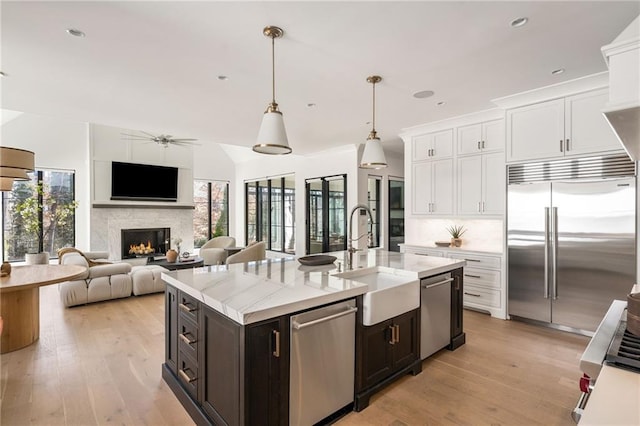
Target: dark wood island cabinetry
[[223, 372], [229, 341]]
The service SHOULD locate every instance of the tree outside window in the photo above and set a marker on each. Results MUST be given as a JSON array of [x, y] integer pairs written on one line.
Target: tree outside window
[[211, 210], [39, 215]]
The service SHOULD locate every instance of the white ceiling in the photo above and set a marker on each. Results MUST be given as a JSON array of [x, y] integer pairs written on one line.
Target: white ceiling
[[153, 66]]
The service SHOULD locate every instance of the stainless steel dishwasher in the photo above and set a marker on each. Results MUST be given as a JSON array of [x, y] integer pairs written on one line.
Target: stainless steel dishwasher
[[322, 362], [435, 314]]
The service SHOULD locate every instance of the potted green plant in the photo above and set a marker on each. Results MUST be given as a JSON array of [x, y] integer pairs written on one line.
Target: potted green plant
[[456, 231], [33, 212]]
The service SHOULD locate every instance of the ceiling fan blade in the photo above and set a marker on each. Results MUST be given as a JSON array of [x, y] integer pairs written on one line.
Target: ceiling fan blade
[[186, 144], [184, 140], [149, 134], [135, 137]]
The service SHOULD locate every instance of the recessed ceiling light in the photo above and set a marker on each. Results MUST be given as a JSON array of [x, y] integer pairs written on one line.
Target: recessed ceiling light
[[311, 105], [441, 103], [75, 32], [518, 22], [423, 94], [558, 71], [223, 78]]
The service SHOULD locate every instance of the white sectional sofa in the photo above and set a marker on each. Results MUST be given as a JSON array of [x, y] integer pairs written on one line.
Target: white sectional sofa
[[105, 280]]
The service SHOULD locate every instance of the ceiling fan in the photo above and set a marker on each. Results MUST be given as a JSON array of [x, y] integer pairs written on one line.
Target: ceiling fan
[[162, 140]]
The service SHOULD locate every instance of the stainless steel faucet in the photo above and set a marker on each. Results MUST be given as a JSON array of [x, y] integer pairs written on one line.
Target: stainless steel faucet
[[351, 249]]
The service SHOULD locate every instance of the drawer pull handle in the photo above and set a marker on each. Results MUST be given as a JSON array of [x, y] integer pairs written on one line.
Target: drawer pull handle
[[276, 335], [185, 339], [472, 294], [394, 334], [472, 260], [472, 276], [185, 376], [187, 308]]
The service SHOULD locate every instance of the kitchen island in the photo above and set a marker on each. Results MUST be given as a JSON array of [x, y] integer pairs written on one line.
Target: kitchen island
[[228, 330]]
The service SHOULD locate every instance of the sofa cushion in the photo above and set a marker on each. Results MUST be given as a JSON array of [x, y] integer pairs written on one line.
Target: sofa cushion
[[147, 279], [109, 269]]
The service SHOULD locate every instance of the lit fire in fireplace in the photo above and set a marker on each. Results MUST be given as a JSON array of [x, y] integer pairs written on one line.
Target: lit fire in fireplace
[[141, 248]]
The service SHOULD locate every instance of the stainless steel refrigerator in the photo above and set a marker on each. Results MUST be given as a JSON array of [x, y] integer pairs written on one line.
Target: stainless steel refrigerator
[[571, 240]]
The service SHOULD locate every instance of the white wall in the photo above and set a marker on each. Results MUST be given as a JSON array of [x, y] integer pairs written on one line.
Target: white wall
[[58, 144]]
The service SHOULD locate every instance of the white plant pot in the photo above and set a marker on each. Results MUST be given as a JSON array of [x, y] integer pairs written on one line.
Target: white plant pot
[[37, 258]]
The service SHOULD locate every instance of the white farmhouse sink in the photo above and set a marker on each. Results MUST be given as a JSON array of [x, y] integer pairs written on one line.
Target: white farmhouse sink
[[390, 293]]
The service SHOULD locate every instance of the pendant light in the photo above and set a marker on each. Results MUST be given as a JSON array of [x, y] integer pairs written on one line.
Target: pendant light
[[14, 165], [272, 137], [373, 155]]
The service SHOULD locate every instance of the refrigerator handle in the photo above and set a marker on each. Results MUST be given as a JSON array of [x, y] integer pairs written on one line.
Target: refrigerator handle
[[546, 252], [554, 251]]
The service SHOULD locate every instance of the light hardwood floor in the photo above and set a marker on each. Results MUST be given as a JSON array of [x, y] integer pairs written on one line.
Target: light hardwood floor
[[100, 364]]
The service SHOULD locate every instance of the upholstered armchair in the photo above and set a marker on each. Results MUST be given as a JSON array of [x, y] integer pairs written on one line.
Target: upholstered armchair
[[252, 253], [213, 251]]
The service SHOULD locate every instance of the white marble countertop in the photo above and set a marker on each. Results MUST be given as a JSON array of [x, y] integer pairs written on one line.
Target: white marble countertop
[[465, 248], [255, 291], [615, 400]]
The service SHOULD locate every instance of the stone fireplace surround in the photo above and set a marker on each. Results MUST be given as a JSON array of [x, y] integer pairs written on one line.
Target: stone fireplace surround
[[108, 222]]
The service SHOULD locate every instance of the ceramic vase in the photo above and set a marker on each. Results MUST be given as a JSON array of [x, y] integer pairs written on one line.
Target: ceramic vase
[[172, 256]]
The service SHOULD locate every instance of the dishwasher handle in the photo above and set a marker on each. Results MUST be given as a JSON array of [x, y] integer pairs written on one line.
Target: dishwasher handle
[[439, 283], [298, 326]]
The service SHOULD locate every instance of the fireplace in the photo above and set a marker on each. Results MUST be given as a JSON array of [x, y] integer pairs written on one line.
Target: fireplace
[[145, 242]]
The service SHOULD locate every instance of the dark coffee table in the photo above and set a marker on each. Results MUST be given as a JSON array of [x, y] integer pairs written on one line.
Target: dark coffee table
[[192, 262], [232, 250]]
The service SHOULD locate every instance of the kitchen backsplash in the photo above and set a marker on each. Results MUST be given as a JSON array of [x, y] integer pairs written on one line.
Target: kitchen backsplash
[[481, 235]]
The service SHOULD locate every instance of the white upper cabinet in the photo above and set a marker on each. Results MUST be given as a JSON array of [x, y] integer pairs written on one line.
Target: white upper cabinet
[[535, 131], [494, 184], [481, 184], [561, 127], [433, 146], [433, 187], [481, 137], [586, 129]]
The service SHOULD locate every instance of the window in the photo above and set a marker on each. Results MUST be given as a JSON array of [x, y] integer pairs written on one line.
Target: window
[[211, 214], [270, 213], [326, 214], [396, 213], [39, 215], [373, 198]]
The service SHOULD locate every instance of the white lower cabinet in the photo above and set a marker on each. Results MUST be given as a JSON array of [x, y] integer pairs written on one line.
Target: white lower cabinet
[[484, 287]]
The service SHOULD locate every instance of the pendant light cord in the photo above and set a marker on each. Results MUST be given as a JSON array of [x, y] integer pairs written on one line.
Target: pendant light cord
[[273, 68], [373, 122]]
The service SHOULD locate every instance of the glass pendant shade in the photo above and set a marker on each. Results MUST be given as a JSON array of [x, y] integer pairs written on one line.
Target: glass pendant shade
[[272, 137], [6, 184], [373, 155]]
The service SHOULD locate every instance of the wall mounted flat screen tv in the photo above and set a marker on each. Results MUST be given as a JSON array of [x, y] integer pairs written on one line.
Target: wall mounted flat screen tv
[[143, 182]]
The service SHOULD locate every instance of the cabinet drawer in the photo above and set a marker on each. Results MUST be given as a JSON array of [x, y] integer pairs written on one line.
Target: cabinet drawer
[[478, 260], [188, 374], [482, 277], [423, 251], [188, 337], [188, 307], [481, 296]]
